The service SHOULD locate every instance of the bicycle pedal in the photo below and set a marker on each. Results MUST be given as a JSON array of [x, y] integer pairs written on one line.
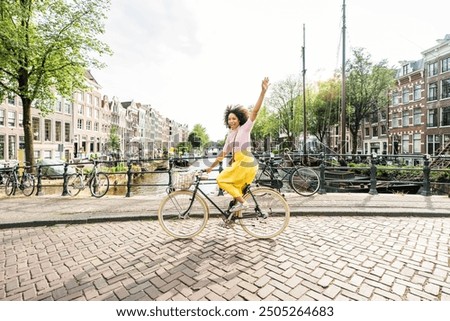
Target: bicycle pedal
[[226, 224]]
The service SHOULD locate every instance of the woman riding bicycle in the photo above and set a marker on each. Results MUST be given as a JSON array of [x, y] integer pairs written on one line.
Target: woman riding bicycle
[[243, 165]]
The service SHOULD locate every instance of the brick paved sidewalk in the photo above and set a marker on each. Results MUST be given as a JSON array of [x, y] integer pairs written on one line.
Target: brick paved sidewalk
[[316, 258]]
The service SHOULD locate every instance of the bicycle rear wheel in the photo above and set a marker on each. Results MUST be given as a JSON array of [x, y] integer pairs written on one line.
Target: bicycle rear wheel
[[99, 185], [74, 184], [10, 186], [305, 181], [178, 219], [268, 213], [27, 184]]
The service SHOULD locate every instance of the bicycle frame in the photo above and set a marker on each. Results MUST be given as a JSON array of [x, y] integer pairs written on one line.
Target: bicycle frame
[[226, 214]]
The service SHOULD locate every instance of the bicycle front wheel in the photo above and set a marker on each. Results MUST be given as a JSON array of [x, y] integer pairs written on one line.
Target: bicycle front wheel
[[181, 216], [27, 184], [10, 186], [74, 184], [305, 181], [99, 185], [268, 213]]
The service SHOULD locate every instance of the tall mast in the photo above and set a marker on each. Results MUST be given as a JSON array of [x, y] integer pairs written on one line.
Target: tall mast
[[343, 104], [304, 99]]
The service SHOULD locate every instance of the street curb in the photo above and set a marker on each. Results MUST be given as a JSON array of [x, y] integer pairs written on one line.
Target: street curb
[[106, 219]]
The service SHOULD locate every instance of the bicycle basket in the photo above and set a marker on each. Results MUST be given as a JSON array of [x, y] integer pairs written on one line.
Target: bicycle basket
[[183, 180]]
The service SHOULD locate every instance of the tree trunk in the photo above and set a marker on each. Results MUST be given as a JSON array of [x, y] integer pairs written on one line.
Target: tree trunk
[[354, 142], [28, 131]]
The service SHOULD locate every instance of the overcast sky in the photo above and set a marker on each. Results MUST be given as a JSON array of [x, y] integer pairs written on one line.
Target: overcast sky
[[189, 59]]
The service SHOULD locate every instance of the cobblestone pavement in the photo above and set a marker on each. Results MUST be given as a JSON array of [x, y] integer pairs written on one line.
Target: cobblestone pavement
[[316, 258]]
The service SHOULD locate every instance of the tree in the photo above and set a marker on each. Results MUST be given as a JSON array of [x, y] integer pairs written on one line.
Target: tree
[[367, 87], [198, 137], [45, 49], [285, 100], [266, 125], [323, 107], [114, 141]]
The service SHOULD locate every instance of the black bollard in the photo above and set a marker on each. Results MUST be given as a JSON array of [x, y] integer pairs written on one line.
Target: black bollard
[[322, 189], [426, 176], [373, 175], [65, 192], [220, 170], [129, 173], [39, 181]]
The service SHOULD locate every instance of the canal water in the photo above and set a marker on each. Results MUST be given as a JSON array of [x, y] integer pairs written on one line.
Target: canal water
[[157, 183]]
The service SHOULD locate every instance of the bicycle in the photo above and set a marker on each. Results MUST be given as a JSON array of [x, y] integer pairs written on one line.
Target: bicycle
[[303, 180], [184, 213], [25, 182], [98, 182]]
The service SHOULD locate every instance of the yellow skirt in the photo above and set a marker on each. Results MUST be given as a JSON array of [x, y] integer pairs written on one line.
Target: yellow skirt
[[234, 178]]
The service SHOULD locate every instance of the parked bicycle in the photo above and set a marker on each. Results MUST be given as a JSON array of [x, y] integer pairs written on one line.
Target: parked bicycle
[[272, 172], [184, 213], [25, 182], [98, 182]]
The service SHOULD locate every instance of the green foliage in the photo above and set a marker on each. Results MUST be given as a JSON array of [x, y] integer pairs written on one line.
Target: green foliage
[[324, 107], [198, 137], [265, 125], [367, 87], [46, 48]]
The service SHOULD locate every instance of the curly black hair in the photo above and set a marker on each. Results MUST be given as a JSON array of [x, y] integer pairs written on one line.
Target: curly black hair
[[240, 111]]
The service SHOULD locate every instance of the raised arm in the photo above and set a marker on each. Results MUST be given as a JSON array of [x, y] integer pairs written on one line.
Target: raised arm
[[264, 86]]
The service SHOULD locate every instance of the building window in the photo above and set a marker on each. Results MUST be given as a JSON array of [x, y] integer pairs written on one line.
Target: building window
[[58, 131], [36, 128], [88, 125], [48, 130], [12, 119], [394, 120], [432, 69], [417, 140], [80, 96], [20, 120], [80, 124], [96, 127], [47, 154], [417, 116], [405, 119], [89, 112], [434, 143], [12, 99], [395, 98], [445, 64], [367, 131], [12, 148], [432, 118], [445, 120], [2, 117], [89, 99], [417, 92], [67, 132], [375, 131], [445, 88], [383, 130], [80, 109], [432, 91], [405, 96], [405, 144], [405, 69], [68, 108], [2, 146], [58, 106]]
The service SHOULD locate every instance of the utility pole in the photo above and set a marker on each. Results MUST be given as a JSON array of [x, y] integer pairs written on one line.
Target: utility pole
[[343, 105], [304, 100]]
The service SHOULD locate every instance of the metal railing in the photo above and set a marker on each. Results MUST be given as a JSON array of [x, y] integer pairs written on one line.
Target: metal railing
[[338, 173]]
